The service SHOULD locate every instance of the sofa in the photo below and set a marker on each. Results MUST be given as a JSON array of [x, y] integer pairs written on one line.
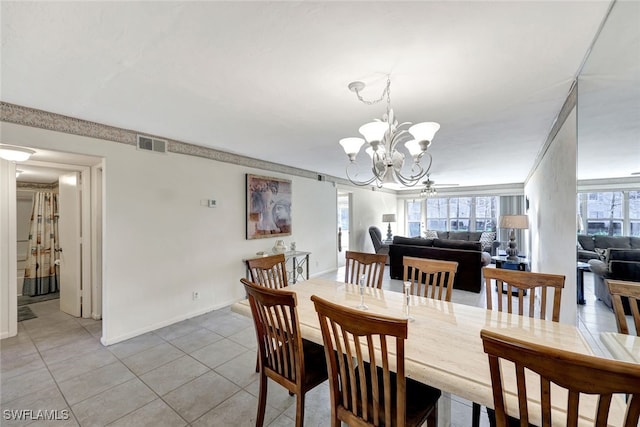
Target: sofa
[[619, 264], [469, 256], [486, 238], [593, 246]]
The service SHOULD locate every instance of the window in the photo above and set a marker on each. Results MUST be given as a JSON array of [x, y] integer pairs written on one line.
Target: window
[[437, 210], [414, 217], [604, 213], [486, 213], [611, 213], [462, 213], [634, 213], [459, 213]]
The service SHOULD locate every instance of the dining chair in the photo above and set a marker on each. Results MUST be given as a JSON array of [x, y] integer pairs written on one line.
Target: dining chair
[[371, 266], [365, 361], [430, 278], [296, 364], [572, 372], [619, 289], [269, 271], [520, 285]]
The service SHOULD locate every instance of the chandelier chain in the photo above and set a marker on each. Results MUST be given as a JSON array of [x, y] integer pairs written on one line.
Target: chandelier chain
[[386, 91]]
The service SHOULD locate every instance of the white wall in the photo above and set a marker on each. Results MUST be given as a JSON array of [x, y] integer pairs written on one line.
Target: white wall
[[551, 190], [160, 244], [368, 206], [8, 296]]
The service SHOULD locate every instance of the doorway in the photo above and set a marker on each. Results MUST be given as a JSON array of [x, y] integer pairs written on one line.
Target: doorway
[[78, 190], [344, 220]]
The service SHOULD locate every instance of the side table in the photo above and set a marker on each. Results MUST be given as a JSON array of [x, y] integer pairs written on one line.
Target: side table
[[297, 265], [581, 268], [502, 261]]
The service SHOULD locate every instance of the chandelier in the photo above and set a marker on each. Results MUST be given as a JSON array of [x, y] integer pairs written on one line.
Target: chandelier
[[429, 189], [383, 139]]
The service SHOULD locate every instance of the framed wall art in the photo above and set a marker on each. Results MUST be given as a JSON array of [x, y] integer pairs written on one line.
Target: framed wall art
[[268, 207]]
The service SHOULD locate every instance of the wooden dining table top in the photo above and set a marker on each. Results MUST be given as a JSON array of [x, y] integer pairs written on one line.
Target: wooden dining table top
[[444, 348]]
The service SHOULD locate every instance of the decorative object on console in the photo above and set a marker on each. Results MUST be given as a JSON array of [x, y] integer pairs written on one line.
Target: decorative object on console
[[268, 207], [514, 222], [279, 247], [389, 218], [384, 138]]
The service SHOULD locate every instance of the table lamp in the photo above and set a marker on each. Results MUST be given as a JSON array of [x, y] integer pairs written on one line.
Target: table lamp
[[520, 222], [389, 218]]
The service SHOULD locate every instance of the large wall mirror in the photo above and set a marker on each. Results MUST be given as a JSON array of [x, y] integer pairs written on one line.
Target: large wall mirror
[[609, 128]]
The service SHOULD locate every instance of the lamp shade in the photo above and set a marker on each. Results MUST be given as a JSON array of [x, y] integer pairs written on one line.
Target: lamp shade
[[414, 147], [388, 217], [424, 131], [373, 131], [15, 154], [351, 145], [514, 221]]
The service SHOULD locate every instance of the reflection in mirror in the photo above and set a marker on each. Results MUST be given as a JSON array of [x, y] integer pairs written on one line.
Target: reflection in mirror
[[609, 128]]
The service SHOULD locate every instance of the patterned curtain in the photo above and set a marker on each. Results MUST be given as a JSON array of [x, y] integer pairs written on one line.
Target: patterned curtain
[[41, 275]]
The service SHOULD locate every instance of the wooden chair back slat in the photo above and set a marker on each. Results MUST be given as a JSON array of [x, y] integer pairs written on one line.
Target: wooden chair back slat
[[430, 278], [276, 323], [371, 266], [619, 289], [519, 282], [269, 271], [351, 339], [573, 372]]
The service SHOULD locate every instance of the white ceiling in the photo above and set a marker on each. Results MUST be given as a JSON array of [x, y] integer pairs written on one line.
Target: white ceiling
[[269, 79]]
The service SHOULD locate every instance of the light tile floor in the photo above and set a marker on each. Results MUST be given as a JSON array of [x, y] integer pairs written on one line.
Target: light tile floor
[[198, 372]]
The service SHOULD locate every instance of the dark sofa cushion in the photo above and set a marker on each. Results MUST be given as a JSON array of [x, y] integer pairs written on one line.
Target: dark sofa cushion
[[457, 244], [606, 242], [415, 241], [624, 255], [474, 236], [459, 235], [468, 276], [635, 242], [443, 234], [586, 242]]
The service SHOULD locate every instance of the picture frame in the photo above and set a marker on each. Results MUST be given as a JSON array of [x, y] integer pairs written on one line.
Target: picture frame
[[268, 207]]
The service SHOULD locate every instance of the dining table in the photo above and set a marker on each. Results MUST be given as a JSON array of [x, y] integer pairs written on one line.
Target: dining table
[[444, 348], [622, 346]]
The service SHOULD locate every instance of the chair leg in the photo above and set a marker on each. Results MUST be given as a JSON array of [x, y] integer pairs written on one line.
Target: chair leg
[[258, 362], [432, 418], [299, 409], [262, 400], [475, 416]]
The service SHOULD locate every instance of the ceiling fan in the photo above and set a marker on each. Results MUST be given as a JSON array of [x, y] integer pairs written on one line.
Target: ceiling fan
[[430, 187]]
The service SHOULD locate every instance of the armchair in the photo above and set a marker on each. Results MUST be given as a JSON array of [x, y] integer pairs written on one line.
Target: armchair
[[376, 238]]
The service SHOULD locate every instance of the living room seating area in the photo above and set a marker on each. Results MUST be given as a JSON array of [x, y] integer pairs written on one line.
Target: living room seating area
[[468, 255]]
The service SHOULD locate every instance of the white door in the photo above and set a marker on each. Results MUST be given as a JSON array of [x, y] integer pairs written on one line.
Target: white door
[[69, 226]]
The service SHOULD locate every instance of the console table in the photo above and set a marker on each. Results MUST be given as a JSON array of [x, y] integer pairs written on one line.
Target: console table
[[297, 265]]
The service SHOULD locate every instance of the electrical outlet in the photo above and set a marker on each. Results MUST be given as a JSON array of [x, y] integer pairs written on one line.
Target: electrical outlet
[[195, 295]]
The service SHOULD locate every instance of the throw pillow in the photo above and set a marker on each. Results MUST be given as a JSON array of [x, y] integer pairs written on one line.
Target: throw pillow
[[430, 234], [487, 238], [603, 254]]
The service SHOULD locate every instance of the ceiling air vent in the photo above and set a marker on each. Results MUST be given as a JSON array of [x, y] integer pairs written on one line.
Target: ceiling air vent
[[152, 144]]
